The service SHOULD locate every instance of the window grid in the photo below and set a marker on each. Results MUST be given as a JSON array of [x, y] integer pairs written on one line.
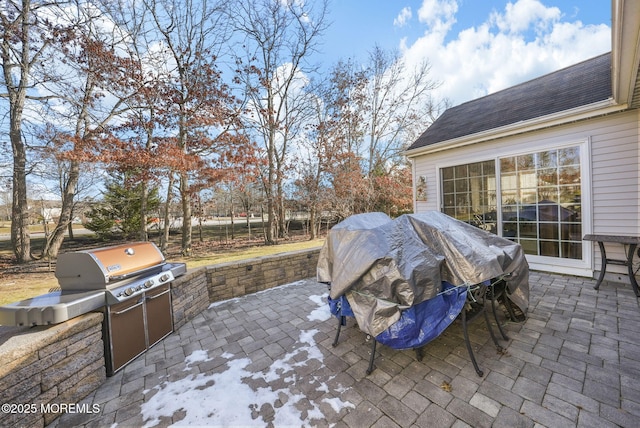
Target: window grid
[[540, 199]]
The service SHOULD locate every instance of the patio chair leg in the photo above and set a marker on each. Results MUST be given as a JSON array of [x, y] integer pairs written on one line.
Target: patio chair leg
[[419, 353], [468, 343], [495, 313], [493, 336], [507, 304], [341, 321], [373, 355]]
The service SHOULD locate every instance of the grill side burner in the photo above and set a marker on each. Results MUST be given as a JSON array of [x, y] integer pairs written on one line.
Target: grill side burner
[[51, 308]]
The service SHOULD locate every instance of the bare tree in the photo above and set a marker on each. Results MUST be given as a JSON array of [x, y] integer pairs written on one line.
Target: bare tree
[[322, 146], [197, 103], [382, 109], [26, 34], [90, 86], [399, 105], [366, 116], [335, 143], [276, 39]]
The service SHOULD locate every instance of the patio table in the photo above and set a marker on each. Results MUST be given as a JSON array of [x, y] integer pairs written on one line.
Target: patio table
[[631, 241]]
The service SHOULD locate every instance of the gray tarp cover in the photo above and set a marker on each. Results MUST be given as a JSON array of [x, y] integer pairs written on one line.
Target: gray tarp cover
[[384, 266]]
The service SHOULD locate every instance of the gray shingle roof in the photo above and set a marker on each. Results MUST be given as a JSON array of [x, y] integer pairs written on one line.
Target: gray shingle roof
[[578, 85]]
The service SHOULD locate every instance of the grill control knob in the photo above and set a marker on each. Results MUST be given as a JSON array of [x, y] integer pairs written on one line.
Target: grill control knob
[[129, 291], [164, 278], [148, 283]]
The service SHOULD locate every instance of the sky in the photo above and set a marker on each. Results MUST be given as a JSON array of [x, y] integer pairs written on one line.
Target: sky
[[474, 47]]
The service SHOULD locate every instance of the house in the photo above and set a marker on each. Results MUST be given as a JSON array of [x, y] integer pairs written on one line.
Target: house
[[548, 161]]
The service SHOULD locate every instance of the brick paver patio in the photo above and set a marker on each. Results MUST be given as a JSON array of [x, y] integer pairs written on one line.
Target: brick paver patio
[[266, 360]]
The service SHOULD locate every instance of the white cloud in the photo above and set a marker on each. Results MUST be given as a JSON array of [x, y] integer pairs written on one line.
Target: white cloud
[[402, 18], [434, 12], [521, 42], [524, 14]]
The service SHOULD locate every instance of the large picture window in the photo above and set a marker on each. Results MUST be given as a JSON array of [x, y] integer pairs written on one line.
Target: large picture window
[[539, 203]]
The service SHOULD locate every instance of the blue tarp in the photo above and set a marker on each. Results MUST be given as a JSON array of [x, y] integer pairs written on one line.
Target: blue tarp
[[419, 324]]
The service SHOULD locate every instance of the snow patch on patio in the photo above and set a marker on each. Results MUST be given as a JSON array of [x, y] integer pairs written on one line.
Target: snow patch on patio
[[239, 397], [238, 299], [322, 312], [196, 357]]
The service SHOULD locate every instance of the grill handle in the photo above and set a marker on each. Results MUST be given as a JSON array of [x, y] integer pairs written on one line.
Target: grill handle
[[155, 296], [155, 268], [128, 309]]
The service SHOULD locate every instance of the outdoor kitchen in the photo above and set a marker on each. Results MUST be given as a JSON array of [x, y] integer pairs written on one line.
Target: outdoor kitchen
[[59, 347], [129, 283]]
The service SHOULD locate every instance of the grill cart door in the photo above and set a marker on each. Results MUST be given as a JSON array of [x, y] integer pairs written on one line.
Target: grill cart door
[[127, 338], [159, 314]]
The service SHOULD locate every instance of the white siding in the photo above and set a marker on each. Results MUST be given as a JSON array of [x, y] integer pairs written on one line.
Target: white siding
[[615, 178]]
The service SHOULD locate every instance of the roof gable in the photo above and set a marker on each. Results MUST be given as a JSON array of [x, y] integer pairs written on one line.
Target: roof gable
[[575, 86]]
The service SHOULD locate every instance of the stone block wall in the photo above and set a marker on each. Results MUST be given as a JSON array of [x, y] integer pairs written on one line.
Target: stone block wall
[[235, 279], [44, 369], [189, 296]]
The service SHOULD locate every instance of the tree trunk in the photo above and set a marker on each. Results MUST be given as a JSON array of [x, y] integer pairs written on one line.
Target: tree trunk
[[283, 229], [164, 240], [272, 229], [70, 228], [312, 223], [186, 214], [20, 237], [143, 211], [53, 244]]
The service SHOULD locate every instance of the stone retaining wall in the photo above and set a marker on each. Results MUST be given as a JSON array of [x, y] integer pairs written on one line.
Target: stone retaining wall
[[45, 368], [189, 296], [235, 279]]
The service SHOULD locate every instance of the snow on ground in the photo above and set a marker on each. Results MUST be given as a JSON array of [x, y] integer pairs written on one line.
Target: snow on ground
[[195, 357], [237, 299], [322, 312], [240, 397]]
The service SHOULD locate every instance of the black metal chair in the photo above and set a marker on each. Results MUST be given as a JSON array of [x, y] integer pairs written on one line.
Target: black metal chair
[[477, 297], [476, 305]]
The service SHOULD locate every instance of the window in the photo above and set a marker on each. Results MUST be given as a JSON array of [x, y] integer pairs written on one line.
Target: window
[[469, 194], [540, 199]]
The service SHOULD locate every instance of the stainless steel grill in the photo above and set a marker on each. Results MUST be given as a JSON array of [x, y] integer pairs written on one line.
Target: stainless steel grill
[[130, 283]]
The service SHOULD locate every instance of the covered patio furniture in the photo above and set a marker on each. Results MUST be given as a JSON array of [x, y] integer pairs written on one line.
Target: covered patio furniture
[[406, 280]]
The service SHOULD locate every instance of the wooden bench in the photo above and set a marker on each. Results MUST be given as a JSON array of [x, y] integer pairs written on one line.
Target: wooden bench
[[631, 241]]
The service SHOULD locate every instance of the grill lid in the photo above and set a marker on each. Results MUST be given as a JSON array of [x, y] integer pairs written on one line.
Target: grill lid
[[94, 269]]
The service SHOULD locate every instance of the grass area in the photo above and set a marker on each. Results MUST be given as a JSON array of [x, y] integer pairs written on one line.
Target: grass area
[[5, 228], [24, 282], [249, 253], [20, 288]]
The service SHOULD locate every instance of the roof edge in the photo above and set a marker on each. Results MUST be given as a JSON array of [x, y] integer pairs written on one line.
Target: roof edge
[[625, 40], [600, 108]]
